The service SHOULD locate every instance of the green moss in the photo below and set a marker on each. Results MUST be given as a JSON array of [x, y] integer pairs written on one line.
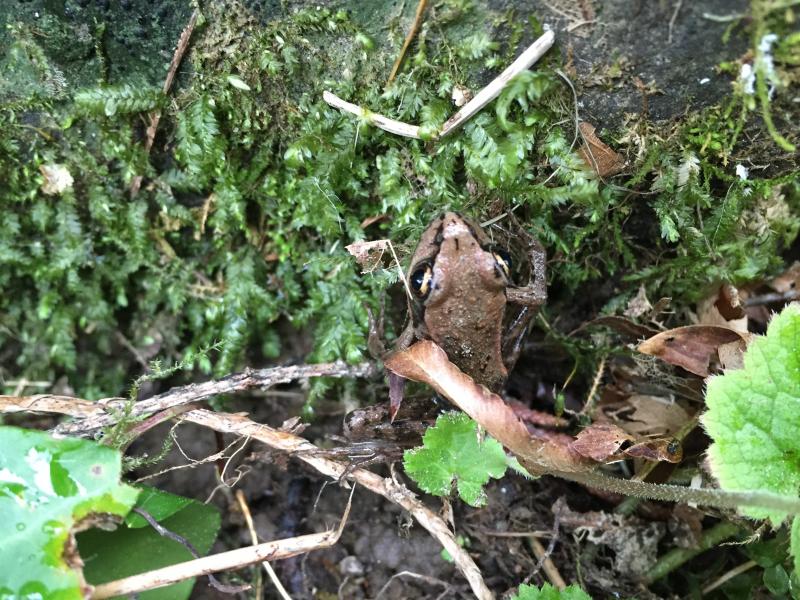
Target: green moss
[[250, 195]]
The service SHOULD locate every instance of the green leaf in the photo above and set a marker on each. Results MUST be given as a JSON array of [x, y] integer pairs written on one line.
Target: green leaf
[[238, 83], [451, 452], [159, 505], [776, 580], [754, 415], [794, 543], [111, 555], [548, 592], [47, 486]]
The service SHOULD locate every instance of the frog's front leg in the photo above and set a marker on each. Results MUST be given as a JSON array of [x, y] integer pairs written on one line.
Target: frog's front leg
[[535, 293], [530, 298]]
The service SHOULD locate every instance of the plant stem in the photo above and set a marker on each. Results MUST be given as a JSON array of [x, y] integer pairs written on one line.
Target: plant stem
[[678, 556]]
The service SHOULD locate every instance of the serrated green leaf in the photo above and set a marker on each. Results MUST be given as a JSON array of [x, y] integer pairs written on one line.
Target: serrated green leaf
[[753, 416], [794, 543], [548, 592], [111, 555], [48, 485], [451, 452]]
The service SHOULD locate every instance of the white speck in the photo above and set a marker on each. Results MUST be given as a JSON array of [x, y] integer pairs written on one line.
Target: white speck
[[748, 79], [742, 172], [36, 15], [704, 80]]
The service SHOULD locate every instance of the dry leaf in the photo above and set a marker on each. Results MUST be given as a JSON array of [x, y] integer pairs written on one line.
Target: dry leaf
[[428, 363], [650, 415], [368, 254], [639, 305], [57, 179], [723, 308], [666, 449], [600, 441], [602, 159], [691, 347], [731, 355], [373, 219]]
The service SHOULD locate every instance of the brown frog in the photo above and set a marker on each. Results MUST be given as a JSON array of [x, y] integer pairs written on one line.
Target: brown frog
[[462, 285]]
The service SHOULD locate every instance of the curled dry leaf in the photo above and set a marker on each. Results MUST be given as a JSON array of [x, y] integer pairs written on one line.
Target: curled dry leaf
[[599, 441], [368, 254], [428, 363], [602, 159], [639, 305], [604, 442], [691, 347], [658, 449]]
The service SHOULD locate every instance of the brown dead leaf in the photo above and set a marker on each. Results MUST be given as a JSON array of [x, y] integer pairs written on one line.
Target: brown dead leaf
[[368, 254], [691, 347], [600, 441], [723, 308], [650, 415], [639, 305], [373, 219], [428, 363], [658, 449], [601, 158]]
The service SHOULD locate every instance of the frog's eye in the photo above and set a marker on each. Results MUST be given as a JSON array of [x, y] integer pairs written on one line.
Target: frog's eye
[[420, 281], [503, 259]]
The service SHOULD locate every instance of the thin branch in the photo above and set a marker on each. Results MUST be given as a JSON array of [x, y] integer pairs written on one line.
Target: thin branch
[[546, 563], [305, 451], [409, 38], [525, 60], [673, 19], [381, 122], [786, 296], [155, 116], [248, 519], [103, 413], [395, 492], [234, 559], [532, 54], [742, 568]]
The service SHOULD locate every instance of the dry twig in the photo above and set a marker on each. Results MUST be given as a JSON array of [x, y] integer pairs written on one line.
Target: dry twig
[[409, 38], [155, 116], [302, 449], [102, 413], [531, 54], [224, 561]]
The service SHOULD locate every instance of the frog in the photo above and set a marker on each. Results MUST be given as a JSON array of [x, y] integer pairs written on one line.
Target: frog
[[462, 286]]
